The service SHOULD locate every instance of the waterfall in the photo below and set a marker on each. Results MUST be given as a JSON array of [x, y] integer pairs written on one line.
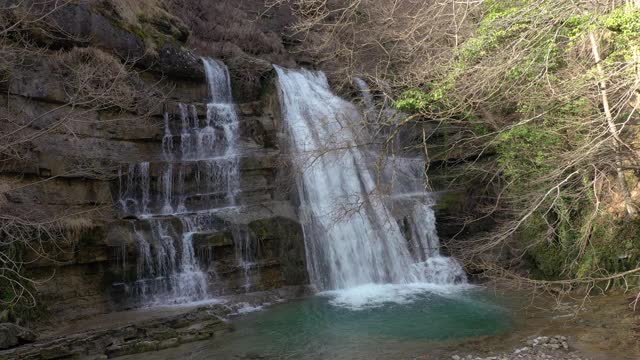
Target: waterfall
[[351, 235], [177, 196], [245, 252], [221, 112], [167, 270], [134, 189]]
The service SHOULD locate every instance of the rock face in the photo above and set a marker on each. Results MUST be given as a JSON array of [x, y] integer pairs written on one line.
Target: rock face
[[68, 166]]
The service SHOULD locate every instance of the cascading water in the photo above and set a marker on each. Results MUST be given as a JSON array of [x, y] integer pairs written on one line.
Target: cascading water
[[134, 189], [177, 196], [221, 110], [351, 235], [245, 254], [167, 270]]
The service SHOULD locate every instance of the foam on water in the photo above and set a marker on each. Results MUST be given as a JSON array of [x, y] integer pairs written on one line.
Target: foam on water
[[247, 308], [369, 296], [195, 304]]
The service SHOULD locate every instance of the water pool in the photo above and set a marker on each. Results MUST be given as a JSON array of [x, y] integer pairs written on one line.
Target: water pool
[[371, 322]]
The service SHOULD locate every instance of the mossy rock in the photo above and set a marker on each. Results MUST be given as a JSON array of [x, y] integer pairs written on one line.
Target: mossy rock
[[148, 20], [450, 200]]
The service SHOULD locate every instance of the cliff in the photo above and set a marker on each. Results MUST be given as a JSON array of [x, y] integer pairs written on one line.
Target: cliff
[[93, 97]]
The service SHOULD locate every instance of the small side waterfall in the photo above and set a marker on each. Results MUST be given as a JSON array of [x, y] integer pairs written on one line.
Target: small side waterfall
[[351, 233], [177, 196], [365, 91], [167, 270]]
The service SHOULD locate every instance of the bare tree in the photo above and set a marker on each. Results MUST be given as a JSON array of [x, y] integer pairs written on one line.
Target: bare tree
[[560, 75]]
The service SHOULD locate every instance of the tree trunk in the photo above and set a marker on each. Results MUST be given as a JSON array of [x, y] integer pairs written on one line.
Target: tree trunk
[[611, 125]]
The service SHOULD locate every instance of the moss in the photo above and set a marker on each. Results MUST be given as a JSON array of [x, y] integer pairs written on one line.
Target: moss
[[545, 258], [451, 200], [548, 261], [526, 152], [613, 246]]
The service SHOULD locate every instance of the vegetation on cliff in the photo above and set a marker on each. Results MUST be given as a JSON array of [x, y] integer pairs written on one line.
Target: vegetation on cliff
[[538, 103]]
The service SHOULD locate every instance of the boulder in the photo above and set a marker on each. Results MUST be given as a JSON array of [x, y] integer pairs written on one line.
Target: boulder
[[12, 335], [174, 61]]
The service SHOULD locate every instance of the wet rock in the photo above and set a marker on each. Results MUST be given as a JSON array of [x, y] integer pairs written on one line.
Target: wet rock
[[154, 43], [254, 356]]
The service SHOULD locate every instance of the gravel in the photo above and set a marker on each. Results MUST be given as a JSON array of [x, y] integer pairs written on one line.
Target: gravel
[[538, 348]]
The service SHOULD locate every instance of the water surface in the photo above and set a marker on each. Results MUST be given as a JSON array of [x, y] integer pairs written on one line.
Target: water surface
[[404, 322]]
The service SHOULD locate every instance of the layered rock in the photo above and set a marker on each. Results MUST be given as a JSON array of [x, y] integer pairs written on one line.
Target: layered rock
[[68, 166], [148, 333]]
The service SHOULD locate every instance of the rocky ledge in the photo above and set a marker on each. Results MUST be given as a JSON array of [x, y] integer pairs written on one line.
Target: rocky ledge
[[118, 334], [150, 335]]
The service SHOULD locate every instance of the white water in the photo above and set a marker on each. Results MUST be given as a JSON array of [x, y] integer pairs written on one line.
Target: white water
[[369, 296], [134, 188], [179, 195], [225, 169], [365, 92], [367, 232], [163, 277], [352, 239]]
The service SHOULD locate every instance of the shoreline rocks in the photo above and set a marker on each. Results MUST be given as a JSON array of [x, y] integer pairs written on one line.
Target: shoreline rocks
[[536, 348], [150, 335], [12, 335], [142, 330]]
